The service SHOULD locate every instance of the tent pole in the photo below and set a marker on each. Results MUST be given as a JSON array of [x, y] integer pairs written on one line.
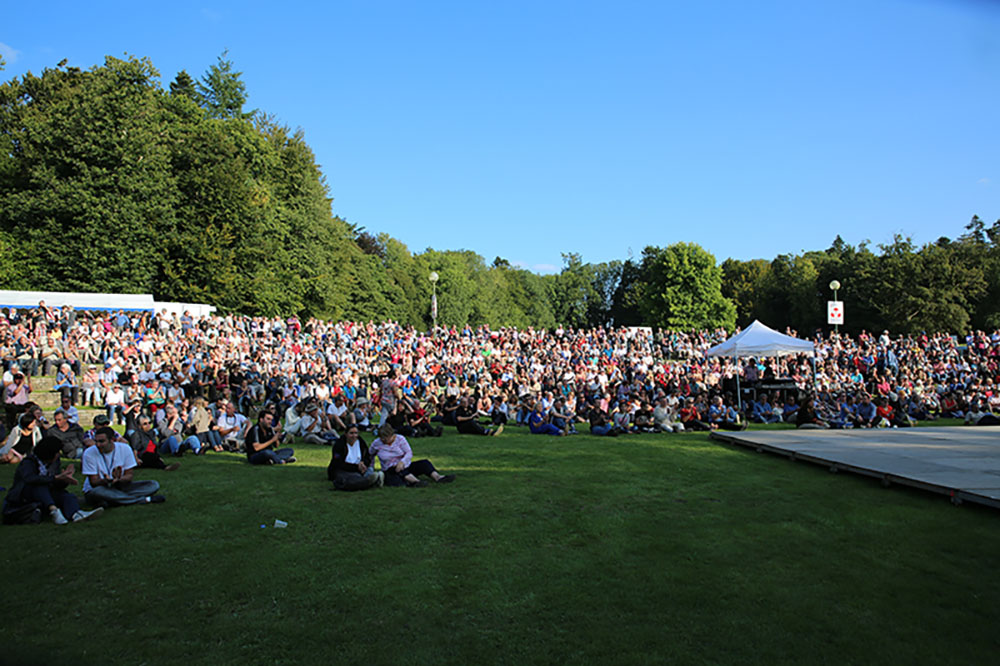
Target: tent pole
[[739, 393]]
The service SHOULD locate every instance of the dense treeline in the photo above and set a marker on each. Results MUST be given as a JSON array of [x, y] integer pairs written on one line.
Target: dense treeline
[[111, 182]]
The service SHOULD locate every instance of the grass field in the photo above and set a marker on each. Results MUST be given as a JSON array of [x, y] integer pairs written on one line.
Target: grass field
[[642, 549]]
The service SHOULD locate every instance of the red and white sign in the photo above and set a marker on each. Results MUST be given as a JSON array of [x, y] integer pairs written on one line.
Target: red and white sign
[[835, 312]]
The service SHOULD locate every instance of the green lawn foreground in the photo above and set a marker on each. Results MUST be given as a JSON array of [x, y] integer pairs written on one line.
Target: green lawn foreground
[[640, 549]]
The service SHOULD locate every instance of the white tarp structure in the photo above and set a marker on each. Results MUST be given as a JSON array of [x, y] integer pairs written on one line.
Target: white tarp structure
[[85, 301], [195, 309], [80, 301], [760, 340]]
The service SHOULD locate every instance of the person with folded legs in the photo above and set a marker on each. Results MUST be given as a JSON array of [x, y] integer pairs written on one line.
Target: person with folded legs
[[351, 466], [396, 457], [39, 481]]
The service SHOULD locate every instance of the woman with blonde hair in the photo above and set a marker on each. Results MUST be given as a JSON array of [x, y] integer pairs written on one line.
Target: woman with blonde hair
[[203, 426]]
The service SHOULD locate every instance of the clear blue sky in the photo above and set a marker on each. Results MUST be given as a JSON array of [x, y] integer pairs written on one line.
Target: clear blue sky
[[527, 129]]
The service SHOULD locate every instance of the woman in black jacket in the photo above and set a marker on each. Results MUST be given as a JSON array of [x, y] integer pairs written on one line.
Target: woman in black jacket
[[38, 481], [351, 463]]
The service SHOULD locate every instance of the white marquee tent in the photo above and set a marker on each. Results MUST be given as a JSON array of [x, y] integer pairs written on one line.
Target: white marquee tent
[[760, 340]]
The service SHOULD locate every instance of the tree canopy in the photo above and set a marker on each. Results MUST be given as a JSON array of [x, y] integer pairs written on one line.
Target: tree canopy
[[110, 182]]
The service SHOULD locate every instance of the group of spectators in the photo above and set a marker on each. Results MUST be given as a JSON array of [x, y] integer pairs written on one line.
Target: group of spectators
[[251, 384]]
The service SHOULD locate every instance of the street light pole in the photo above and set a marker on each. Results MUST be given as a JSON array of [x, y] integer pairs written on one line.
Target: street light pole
[[433, 277], [835, 286]]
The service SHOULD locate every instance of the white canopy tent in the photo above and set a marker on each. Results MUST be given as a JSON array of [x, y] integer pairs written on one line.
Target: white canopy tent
[[760, 340]]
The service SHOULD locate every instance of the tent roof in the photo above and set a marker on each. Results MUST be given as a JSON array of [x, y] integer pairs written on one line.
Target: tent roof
[[759, 340]]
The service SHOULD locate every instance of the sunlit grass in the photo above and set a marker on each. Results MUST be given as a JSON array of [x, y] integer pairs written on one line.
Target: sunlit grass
[[576, 550]]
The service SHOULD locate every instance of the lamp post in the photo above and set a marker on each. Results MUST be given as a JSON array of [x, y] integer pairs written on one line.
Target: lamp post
[[433, 277], [835, 286]]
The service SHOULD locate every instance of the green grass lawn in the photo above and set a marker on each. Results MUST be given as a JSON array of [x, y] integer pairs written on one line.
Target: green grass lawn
[[640, 549]]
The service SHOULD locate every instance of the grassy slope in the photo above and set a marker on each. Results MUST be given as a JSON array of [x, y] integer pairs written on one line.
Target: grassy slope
[[639, 549]]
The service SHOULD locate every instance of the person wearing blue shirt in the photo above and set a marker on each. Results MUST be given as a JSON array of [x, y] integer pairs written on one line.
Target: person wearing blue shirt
[[866, 412], [538, 422]]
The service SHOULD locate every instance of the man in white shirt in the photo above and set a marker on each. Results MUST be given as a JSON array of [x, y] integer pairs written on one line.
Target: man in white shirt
[[315, 426], [115, 402], [340, 415], [232, 427], [107, 470]]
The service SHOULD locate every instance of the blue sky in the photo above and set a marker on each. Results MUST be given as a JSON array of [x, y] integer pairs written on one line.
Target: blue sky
[[529, 129]]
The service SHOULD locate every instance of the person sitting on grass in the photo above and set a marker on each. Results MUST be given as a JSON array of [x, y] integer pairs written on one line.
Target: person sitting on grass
[[791, 408], [202, 424], [562, 417], [108, 468], [261, 440], [351, 465], [600, 424], [315, 425], [644, 419], [39, 481], [23, 437], [691, 416], [538, 422], [417, 420], [69, 434], [170, 427], [396, 457], [467, 420], [663, 417], [807, 416], [761, 411], [232, 427], [143, 442], [722, 416], [979, 414]]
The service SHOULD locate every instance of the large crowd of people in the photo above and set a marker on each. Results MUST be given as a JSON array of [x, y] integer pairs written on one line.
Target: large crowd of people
[[253, 384]]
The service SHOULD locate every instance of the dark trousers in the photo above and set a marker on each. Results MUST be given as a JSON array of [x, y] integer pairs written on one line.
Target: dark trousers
[[267, 456], [46, 496], [416, 468], [471, 428], [152, 460], [71, 392]]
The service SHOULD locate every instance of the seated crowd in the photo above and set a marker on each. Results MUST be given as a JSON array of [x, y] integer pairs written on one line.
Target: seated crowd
[[251, 384]]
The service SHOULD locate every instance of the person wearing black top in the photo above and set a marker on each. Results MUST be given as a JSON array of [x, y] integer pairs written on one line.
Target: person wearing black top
[[350, 465], [467, 420], [39, 481]]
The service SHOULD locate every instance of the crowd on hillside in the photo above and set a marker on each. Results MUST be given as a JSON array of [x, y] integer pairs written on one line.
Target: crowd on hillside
[[202, 381], [253, 384]]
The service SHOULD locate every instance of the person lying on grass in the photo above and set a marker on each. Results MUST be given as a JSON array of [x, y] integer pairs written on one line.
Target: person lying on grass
[[394, 453], [351, 465]]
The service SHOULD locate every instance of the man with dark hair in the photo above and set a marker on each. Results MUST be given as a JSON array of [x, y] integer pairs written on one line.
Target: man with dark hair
[[39, 481], [467, 420], [260, 442], [69, 434], [108, 469]]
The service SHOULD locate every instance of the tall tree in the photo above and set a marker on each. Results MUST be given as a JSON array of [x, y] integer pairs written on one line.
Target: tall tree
[[223, 92], [682, 289]]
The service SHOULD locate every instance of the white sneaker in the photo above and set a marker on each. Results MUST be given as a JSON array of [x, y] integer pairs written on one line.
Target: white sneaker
[[87, 515], [58, 518]]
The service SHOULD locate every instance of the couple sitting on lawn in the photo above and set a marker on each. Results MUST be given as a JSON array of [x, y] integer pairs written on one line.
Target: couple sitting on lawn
[[352, 463]]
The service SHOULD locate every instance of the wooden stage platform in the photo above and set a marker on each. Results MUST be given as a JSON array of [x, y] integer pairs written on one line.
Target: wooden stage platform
[[960, 462]]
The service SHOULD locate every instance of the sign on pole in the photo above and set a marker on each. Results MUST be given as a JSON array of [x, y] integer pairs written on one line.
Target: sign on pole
[[835, 312]]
